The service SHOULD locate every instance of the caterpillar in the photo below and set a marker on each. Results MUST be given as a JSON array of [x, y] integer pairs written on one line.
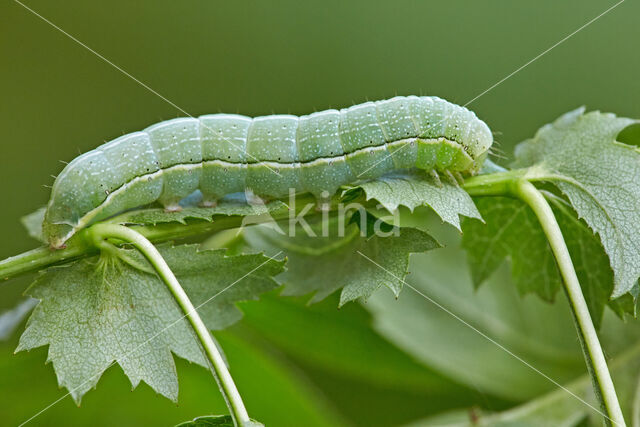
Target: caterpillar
[[220, 154]]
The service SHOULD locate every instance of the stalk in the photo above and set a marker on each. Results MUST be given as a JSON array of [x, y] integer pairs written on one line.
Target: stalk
[[494, 184], [594, 356], [100, 232], [81, 244]]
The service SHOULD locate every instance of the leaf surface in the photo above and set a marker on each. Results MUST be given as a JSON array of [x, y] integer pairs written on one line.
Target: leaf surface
[[434, 322], [579, 154], [512, 231], [356, 263], [226, 207], [559, 407], [102, 310], [412, 190]]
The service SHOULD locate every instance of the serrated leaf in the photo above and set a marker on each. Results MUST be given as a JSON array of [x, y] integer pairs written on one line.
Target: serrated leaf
[[216, 421], [334, 341], [630, 135], [357, 264], [102, 310], [446, 305], [579, 154], [204, 274], [445, 197], [513, 231], [233, 205], [226, 207]]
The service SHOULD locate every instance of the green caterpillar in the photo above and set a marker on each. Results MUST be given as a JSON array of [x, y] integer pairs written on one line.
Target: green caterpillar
[[220, 154]]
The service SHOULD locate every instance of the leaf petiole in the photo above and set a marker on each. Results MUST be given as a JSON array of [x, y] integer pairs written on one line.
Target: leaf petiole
[[493, 184], [594, 355], [100, 232]]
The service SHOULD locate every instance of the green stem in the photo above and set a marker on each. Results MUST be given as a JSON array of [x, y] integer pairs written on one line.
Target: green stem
[[587, 332], [100, 232], [38, 258], [495, 184], [81, 245]]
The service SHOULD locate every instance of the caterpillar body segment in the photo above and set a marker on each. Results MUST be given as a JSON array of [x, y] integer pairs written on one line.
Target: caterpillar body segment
[[220, 154]]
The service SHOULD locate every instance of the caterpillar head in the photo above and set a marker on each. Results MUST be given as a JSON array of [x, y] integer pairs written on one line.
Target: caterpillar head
[[480, 140]]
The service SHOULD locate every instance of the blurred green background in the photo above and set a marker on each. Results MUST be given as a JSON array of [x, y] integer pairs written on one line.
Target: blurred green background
[[58, 100]]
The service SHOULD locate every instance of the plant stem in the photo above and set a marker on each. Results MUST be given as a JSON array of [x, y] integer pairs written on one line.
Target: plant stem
[[80, 245], [100, 232], [39, 258], [591, 345], [495, 184]]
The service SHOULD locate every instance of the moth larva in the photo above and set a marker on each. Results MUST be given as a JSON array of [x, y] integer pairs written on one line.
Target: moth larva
[[221, 154]]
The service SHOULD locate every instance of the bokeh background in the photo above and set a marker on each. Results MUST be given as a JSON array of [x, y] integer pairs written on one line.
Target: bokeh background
[[57, 99]]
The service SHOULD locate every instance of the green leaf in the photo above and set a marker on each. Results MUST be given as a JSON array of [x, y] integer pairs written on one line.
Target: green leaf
[[513, 231], [579, 154], [540, 333], [445, 197], [229, 206], [216, 420], [335, 340], [274, 389], [339, 350], [102, 310], [226, 207], [209, 420], [258, 372], [356, 263], [557, 408], [230, 279]]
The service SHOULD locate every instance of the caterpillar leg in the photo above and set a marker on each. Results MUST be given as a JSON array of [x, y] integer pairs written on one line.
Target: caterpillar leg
[[209, 203], [173, 207], [171, 203], [452, 179], [459, 177], [254, 199], [436, 177], [323, 202]]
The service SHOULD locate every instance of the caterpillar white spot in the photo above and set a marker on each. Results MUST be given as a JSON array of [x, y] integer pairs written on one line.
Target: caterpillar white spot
[[221, 154]]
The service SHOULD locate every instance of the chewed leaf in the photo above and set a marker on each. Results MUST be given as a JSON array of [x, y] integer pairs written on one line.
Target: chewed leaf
[[579, 154], [102, 310], [443, 195], [354, 260]]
